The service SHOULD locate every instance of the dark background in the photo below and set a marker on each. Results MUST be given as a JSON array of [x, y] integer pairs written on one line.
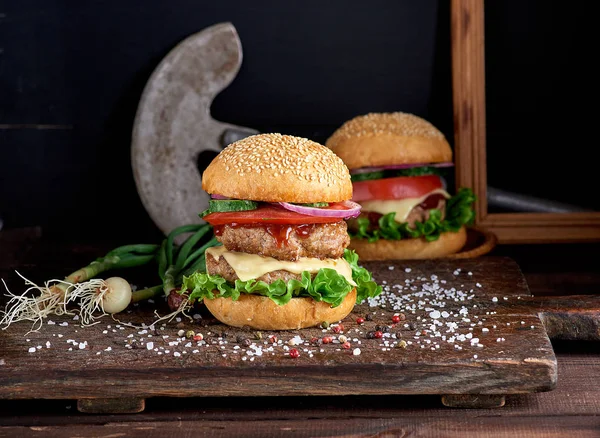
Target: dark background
[[541, 96], [71, 74]]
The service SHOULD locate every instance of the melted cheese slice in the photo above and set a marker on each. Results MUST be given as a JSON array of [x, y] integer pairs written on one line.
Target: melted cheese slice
[[251, 266], [401, 207]]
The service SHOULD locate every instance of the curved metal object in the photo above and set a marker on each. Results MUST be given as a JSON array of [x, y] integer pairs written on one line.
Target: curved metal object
[[173, 124]]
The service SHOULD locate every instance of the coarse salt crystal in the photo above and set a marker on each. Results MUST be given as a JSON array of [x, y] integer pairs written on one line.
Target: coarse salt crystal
[[32, 349], [150, 345], [356, 351], [48, 344], [407, 270], [51, 323], [296, 340], [176, 354], [495, 299], [435, 314]]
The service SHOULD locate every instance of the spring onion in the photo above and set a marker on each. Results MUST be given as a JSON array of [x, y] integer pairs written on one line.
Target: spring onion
[[80, 286]]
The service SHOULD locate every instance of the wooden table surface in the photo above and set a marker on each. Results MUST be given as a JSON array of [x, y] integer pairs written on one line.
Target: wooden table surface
[[571, 410]]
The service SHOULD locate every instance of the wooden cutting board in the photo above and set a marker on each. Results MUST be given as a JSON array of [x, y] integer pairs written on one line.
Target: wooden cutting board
[[465, 329]]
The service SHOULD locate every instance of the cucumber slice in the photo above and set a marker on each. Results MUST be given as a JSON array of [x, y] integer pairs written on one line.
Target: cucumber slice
[[391, 173], [315, 204], [221, 206], [366, 176]]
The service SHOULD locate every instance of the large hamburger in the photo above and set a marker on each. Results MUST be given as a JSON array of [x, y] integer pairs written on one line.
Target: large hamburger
[[278, 207], [397, 162]]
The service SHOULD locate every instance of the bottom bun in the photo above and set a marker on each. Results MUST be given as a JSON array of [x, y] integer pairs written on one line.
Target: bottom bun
[[263, 313], [448, 243]]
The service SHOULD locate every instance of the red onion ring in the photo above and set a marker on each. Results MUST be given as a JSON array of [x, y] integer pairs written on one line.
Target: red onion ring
[[215, 196], [352, 210], [400, 166]]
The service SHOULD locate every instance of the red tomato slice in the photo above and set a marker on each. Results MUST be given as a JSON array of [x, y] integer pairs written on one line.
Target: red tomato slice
[[269, 214], [399, 187]]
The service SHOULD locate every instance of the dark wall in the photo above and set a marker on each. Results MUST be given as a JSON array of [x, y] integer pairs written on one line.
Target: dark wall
[[71, 74], [542, 89]]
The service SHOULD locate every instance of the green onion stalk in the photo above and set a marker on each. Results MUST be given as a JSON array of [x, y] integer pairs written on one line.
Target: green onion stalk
[[175, 262], [112, 295]]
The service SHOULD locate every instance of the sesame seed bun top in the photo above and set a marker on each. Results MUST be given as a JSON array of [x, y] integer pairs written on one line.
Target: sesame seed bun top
[[382, 139], [278, 168]]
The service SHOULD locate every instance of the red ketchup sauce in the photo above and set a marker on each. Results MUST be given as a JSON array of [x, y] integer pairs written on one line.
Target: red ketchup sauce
[[280, 232]]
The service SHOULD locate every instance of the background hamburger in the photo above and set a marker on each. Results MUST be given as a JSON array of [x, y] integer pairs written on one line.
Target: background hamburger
[[278, 207], [397, 161]]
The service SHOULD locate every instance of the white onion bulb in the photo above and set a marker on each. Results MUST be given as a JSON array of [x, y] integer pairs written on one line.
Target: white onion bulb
[[118, 296]]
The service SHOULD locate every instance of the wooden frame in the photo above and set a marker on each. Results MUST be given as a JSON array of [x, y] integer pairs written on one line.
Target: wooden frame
[[468, 83]]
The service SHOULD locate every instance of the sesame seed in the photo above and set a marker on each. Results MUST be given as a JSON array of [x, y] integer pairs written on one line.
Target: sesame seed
[[285, 158], [398, 123]]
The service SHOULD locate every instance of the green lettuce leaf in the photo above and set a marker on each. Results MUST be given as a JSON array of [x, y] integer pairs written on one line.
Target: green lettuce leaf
[[365, 286], [459, 212], [327, 286]]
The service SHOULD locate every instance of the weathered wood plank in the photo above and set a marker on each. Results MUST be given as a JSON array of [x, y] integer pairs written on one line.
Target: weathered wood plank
[[123, 405], [474, 401], [572, 317], [463, 332], [574, 395], [479, 427]]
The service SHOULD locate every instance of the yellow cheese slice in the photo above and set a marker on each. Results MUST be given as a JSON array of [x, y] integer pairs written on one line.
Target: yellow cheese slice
[[401, 207], [251, 266]]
